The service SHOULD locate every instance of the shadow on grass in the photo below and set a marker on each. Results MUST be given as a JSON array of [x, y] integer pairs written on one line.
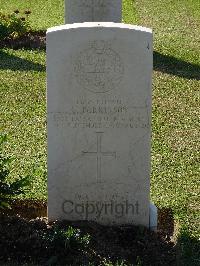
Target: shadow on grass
[[189, 250], [164, 63], [14, 63], [171, 65]]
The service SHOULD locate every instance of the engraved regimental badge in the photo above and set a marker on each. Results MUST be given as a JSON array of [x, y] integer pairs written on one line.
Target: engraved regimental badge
[[99, 68]]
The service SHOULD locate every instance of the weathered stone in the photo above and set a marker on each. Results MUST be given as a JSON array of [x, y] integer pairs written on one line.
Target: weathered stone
[[99, 122], [77, 11]]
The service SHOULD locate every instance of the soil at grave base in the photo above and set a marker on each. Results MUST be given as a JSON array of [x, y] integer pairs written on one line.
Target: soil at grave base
[[23, 240], [30, 40]]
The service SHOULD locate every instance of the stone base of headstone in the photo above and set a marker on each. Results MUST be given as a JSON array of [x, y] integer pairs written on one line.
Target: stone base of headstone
[[153, 217]]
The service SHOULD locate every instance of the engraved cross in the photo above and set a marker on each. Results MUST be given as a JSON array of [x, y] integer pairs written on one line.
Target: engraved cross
[[99, 154]]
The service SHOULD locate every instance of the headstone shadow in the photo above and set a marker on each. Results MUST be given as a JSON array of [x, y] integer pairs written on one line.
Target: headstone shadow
[[172, 65], [188, 249], [13, 62]]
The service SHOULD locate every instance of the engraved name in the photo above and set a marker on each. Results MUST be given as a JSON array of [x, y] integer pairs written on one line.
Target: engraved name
[[102, 113]]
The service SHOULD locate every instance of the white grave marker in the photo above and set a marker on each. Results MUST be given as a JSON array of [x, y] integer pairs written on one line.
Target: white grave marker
[[77, 11], [99, 122]]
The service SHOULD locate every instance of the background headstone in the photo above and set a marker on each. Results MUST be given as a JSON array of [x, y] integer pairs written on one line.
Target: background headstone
[[99, 122], [77, 11]]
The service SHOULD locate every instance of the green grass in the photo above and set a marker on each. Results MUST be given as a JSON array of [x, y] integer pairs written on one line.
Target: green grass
[[130, 15], [44, 13], [175, 142], [23, 114], [176, 80]]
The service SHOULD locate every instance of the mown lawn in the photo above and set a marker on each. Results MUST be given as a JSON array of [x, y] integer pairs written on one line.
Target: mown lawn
[[23, 114], [176, 86], [175, 143], [44, 13]]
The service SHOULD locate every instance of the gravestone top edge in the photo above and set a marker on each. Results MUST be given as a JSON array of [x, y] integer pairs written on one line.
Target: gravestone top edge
[[99, 25]]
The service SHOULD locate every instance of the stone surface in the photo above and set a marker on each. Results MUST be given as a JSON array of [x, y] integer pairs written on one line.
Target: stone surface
[[77, 11], [99, 122], [153, 217]]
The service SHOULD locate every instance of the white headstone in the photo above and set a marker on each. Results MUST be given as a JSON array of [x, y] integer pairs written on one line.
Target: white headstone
[[77, 11], [99, 122]]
